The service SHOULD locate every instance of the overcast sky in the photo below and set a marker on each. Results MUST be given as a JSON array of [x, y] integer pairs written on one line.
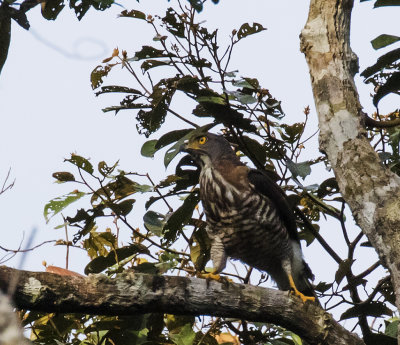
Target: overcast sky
[[48, 109]]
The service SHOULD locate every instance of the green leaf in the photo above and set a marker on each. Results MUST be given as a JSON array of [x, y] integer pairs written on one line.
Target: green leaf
[[181, 216], [256, 149], [52, 9], [375, 308], [171, 137], [116, 88], [100, 263], [58, 204], [185, 336], [154, 222], [63, 176], [146, 65], [160, 98], [105, 170], [123, 207], [132, 14], [247, 29], [211, 99], [383, 61], [299, 169], [148, 148], [174, 23], [383, 41], [175, 149], [381, 3], [81, 163], [344, 268], [392, 327], [392, 85], [97, 75], [150, 52]]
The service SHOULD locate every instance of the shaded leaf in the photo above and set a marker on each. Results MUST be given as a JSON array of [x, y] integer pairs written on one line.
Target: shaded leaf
[[328, 187], [247, 29], [160, 99], [63, 176], [383, 41], [154, 222], [132, 14], [58, 204], [123, 207], [52, 8], [344, 268], [100, 263], [116, 88], [146, 65], [302, 169], [375, 308], [383, 61], [181, 216], [381, 3], [174, 23], [391, 85], [150, 52]]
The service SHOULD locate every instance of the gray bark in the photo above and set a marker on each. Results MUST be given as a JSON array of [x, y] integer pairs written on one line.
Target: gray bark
[[131, 293], [371, 190]]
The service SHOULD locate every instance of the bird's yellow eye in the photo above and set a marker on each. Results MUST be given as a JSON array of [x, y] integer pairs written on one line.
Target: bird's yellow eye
[[202, 140]]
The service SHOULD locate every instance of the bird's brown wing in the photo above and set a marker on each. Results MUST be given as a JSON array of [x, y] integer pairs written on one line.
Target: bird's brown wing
[[263, 184]]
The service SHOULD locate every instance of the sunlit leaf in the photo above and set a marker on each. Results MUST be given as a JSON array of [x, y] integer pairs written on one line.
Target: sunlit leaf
[[81, 162], [58, 204], [185, 336], [148, 148]]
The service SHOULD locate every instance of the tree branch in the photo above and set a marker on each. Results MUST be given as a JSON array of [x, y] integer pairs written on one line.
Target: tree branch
[[131, 293]]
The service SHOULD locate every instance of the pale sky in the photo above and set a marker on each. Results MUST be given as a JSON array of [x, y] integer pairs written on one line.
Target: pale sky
[[48, 109]]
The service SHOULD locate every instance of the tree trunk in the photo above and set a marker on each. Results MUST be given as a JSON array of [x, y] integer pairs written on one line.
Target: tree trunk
[[131, 293], [371, 190]]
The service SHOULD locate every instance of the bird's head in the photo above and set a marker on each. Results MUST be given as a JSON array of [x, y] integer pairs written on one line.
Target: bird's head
[[208, 148]]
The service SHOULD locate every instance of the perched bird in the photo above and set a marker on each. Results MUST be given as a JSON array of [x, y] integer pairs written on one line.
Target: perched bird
[[248, 216]]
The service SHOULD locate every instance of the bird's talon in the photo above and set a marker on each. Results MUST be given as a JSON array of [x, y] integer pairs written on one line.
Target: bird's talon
[[304, 298]]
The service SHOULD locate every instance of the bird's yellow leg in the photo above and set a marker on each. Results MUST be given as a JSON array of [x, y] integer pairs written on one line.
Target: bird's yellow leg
[[210, 275], [298, 293]]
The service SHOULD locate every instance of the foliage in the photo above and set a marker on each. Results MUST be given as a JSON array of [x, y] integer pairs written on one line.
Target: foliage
[[385, 73], [186, 60]]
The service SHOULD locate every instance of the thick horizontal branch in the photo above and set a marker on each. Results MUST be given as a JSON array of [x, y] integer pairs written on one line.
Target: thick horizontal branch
[[131, 293]]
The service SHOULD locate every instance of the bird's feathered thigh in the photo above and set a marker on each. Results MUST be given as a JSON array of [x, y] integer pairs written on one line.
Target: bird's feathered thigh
[[247, 223]]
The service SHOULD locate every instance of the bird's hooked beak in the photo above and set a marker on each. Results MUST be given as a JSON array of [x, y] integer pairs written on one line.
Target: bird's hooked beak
[[189, 146]]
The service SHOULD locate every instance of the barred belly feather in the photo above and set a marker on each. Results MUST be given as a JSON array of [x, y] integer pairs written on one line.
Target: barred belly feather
[[246, 222]]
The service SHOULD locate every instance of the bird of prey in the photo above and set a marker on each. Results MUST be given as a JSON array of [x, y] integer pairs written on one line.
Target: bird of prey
[[248, 216]]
